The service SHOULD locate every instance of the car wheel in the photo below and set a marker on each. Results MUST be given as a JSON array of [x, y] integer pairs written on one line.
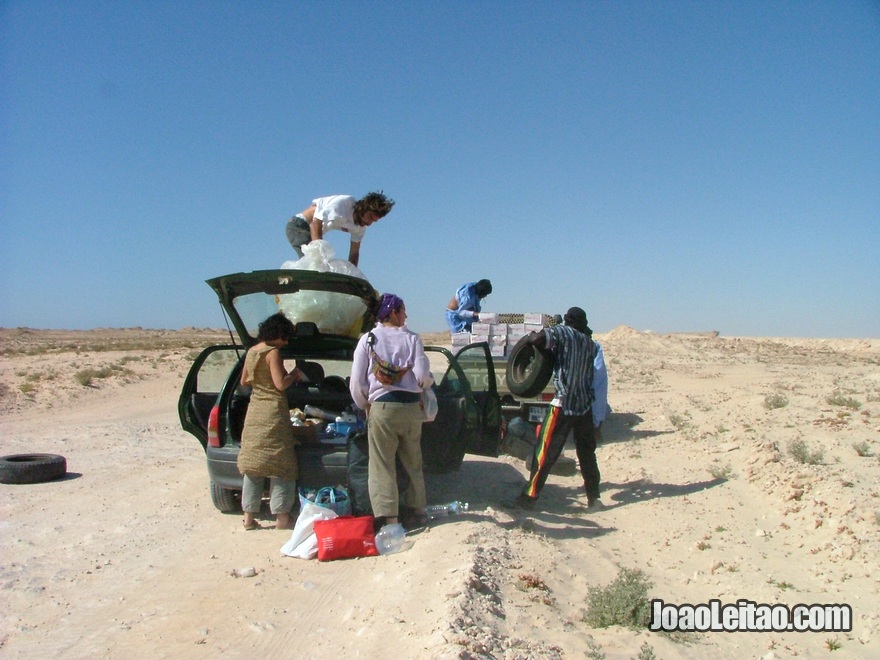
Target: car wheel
[[31, 468], [529, 369], [227, 501]]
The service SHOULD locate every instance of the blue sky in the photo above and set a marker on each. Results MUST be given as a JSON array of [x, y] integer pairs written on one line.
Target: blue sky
[[671, 166]]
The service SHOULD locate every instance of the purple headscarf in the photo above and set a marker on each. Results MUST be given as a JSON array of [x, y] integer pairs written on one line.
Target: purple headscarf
[[387, 304]]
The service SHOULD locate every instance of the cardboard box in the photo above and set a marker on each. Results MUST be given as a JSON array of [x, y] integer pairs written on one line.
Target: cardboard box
[[534, 317], [461, 338], [516, 328], [513, 339], [475, 339], [532, 327], [306, 434], [481, 328], [488, 317], [497, 350]]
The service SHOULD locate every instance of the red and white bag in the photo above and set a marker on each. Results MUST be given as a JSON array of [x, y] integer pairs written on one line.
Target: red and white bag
[[345, 537]]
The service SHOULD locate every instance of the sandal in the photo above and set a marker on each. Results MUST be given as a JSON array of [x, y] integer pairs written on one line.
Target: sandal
[[254, 525]]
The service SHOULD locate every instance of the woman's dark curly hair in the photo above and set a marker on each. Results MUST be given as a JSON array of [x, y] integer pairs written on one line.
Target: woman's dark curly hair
[[376, 202], [275, 327]]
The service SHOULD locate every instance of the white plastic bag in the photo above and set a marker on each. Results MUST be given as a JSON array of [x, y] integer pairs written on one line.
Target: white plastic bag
[[428, 402], [303, 542], [319, 255], [333, 313]]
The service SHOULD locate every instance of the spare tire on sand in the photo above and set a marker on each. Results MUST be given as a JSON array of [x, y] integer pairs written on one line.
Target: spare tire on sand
[[31, 468]]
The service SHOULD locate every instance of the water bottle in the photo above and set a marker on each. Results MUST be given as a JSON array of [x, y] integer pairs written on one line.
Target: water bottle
[[390, 539], [440, 510]]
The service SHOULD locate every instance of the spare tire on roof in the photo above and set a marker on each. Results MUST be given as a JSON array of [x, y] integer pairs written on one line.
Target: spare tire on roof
[[529, 369], [31, 468]]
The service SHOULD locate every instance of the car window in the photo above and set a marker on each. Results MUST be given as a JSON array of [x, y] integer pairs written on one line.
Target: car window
[[473, 361], [320, 367], [447, 380], [334, 313], [215, 370]]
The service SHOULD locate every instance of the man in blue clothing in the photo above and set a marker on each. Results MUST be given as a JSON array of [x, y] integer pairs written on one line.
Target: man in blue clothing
[[575, 365], [464, 308]]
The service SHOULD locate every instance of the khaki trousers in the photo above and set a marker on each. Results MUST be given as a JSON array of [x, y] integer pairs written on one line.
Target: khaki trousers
[[395, 429]]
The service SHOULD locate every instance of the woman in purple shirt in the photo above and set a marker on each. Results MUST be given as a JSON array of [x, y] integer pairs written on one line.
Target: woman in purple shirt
[[389, 371]]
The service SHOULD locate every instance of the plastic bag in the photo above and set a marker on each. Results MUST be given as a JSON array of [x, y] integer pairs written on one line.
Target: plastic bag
[[303, 541], [428, 402], [331, 498], [333, 313], [319, 255]]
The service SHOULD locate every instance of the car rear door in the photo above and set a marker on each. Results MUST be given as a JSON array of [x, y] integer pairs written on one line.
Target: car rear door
[[205, 380]]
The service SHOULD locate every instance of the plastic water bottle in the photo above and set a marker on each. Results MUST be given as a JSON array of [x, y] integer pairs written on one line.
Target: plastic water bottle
[[390, 539], [440, 510]]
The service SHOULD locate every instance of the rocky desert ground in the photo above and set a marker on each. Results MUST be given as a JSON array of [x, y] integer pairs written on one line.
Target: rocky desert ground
[[733, 469]]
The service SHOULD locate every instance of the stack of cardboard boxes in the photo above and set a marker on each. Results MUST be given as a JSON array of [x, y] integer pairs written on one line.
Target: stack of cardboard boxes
[[502, 331]]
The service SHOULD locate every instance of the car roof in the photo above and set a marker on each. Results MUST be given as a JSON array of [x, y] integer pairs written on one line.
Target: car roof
[[340, 306]]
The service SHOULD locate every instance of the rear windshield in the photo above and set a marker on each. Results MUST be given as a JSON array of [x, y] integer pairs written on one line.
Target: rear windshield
[[334, 313]]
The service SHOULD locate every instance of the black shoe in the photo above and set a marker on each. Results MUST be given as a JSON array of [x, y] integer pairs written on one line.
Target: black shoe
[[594, 504], [521, 502], [413, 520]]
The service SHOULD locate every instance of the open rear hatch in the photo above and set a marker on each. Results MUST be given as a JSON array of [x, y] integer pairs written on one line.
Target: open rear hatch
[[339, 305]]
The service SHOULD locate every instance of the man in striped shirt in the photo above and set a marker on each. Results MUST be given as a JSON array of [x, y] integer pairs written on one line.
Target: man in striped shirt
[[574, 353]]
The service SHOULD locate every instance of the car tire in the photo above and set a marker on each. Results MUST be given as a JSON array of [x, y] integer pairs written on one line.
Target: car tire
[[529, 369], [227, 501], [31, 468]]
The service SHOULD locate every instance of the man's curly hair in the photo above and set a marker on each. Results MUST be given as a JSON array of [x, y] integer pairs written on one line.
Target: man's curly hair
[[376, 202]]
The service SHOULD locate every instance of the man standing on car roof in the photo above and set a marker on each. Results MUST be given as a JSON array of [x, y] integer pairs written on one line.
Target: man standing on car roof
[[341, 212], [574, 353]]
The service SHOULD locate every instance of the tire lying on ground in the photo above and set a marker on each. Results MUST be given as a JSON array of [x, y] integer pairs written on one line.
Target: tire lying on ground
[[529, 369], [31, 468]]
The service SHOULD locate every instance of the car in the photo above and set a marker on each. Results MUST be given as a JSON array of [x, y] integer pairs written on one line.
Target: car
[[330, 312]]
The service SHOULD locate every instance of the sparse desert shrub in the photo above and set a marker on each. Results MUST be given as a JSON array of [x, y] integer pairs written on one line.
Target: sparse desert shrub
[[595, 652], [86, 376], [800, 452], [678, 421], [624, 602], [27, 388], [646, 652], [781, 585], [775, 400], [833, 644], [862, 448], [840, 399]]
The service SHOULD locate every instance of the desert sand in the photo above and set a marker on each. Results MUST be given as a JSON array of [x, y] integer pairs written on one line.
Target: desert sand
[[126, 556]]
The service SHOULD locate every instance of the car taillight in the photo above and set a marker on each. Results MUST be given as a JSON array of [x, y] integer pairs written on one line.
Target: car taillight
[[213, 436], [547, 396]]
